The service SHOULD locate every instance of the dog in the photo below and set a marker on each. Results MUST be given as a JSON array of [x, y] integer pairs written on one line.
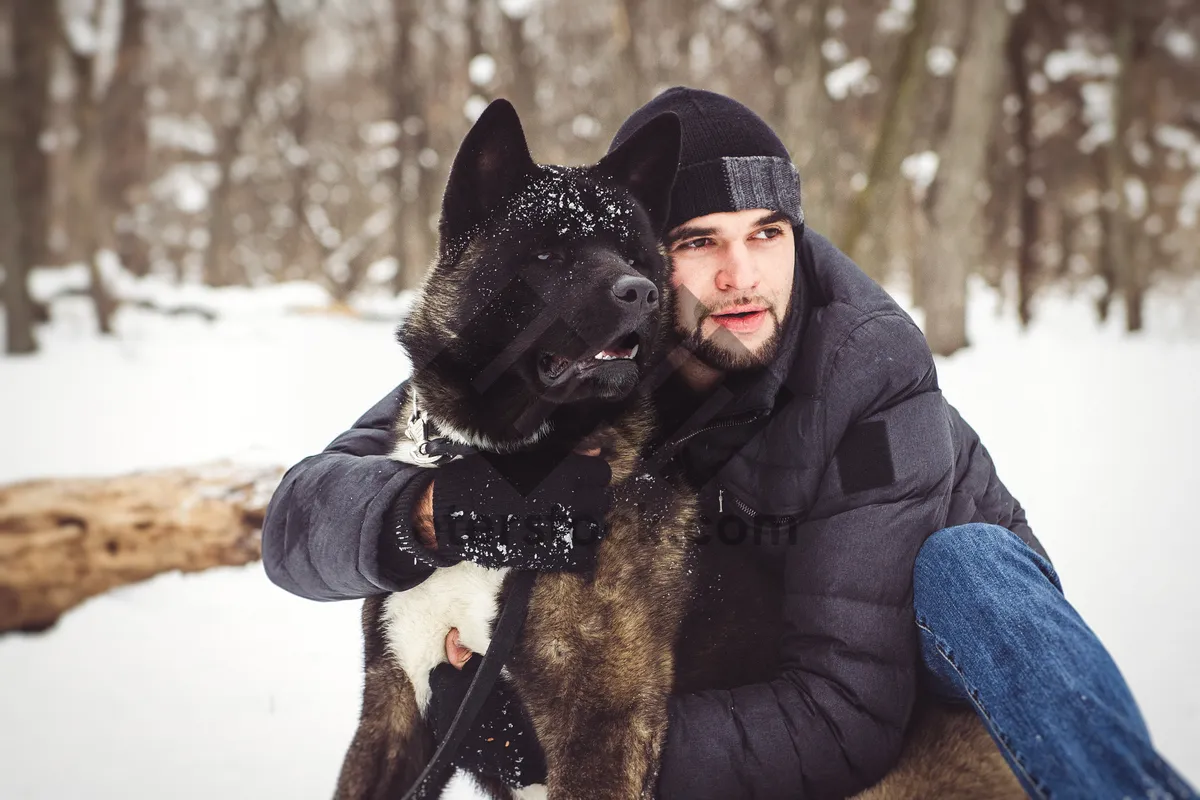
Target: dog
[[504, 342], [523, 249]]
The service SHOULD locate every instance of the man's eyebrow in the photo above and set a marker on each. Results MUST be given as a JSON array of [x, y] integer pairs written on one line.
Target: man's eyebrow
[[774, 216], [687, 232]]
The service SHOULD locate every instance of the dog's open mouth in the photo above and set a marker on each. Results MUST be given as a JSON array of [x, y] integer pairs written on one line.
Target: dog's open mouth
[[553, 368]]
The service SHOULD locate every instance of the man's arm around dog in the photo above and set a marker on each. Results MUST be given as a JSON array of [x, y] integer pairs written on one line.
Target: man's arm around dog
[[325, 525]]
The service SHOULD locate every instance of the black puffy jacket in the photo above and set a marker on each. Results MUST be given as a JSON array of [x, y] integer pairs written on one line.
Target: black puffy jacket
[[845, 438]]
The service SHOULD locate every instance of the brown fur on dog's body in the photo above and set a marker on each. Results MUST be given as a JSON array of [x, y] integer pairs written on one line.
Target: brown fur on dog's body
[[947, 753], [393, 743], [595, 666]]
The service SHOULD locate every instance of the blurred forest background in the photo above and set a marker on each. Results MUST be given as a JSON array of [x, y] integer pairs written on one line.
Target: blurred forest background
[[151, 149], [242, 142]]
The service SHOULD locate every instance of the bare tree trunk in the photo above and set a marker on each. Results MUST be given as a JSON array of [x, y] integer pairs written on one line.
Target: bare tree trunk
[[1067, 223], [474, 23], [1105, 261], [298, 125], [1106, 268], [875, 203], [287, 63], [774, 26], [634, 87], [65, 540], [917, 241], [33, 37], [414, 245], [18, 312], [953, 241], [89, 218], [522, 89], [808, 133], [249, 62], [1119, 233], [125, 136], [1029, 210], [34, 41]]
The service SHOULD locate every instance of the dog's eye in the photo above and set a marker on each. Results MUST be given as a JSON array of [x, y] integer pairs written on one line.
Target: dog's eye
[[549, 256], [631, 261]]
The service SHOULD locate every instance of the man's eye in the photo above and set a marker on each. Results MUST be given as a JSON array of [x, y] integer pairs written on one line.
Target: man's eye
[[769, 233], [695, 244]]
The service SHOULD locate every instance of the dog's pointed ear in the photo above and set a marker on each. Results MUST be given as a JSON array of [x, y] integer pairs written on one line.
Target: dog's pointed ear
[[646, 164], [492, 163]]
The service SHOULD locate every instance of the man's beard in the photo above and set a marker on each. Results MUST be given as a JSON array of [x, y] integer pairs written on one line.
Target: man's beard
[[723, 350]]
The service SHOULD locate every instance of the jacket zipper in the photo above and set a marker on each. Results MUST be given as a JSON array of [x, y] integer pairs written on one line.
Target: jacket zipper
[[752, 416], [745, 509], [755, 415]]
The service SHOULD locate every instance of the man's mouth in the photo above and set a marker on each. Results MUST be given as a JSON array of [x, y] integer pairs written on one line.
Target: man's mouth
[[741, 319], [553, 366]]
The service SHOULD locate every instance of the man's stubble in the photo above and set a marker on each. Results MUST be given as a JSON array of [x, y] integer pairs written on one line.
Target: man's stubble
[[724, 351]]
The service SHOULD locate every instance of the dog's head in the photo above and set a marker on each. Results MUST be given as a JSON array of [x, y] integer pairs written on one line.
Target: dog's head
[[550, 290]]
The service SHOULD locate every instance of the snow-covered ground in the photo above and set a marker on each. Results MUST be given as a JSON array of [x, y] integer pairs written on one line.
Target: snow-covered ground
[[222, 685]]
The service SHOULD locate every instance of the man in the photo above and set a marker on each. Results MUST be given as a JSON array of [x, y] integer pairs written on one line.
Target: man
[[802, 394]]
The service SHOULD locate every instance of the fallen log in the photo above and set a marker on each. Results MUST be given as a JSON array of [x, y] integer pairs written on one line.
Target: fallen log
[[65, 540]]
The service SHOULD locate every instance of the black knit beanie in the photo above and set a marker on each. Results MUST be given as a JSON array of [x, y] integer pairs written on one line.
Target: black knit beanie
[[730, 161]]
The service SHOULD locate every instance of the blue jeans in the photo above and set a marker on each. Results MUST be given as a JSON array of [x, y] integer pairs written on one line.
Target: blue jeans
[[997, 633]]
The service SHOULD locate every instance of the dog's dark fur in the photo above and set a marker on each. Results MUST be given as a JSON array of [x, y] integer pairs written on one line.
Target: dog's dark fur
[[594, 665], [590, 667]]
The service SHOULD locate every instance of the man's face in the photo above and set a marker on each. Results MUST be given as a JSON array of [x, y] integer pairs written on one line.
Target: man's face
[[732, 274]]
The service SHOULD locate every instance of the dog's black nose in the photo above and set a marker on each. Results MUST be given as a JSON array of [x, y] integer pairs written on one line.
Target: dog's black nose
[[636, 290]]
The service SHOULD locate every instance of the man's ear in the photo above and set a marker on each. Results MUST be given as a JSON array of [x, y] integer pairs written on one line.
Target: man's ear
[[646, 164], [492, 164]]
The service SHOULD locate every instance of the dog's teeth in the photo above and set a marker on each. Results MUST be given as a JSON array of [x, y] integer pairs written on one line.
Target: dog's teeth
[[604, 355]]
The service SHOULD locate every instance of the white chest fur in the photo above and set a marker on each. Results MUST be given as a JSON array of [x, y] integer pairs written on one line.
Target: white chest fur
[[416, 621]]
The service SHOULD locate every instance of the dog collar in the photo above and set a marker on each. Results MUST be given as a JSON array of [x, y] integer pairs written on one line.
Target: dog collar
[[425, 446]]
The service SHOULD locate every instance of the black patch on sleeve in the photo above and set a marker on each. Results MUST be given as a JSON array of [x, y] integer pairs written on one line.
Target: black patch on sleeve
[[864, 459]]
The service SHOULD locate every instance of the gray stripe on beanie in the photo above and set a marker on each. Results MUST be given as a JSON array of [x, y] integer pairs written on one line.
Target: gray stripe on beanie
[[764, 182]]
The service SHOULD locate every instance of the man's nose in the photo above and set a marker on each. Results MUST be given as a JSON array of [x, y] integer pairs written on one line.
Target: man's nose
[[738, 270]]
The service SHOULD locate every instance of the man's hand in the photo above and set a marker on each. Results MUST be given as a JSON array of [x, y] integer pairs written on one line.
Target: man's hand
[[456, 654], [423, 514], [521, 511], [501, 741], [423, 519]]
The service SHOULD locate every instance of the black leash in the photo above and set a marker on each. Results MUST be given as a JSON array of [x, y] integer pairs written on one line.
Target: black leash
[[508, 627], [431, 450]]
